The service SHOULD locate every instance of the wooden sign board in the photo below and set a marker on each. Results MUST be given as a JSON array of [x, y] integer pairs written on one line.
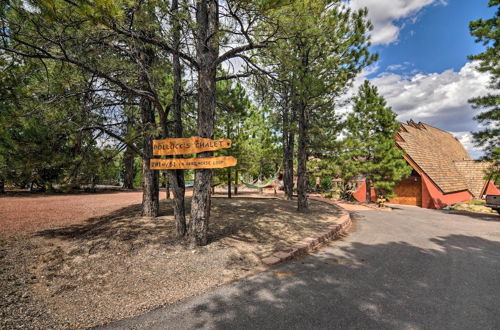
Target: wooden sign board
[[192, 163], [192, 145]]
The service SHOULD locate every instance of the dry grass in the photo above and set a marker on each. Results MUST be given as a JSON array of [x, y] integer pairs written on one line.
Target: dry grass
[[473, 206]]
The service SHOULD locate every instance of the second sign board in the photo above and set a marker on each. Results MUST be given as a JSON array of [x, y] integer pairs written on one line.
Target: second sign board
[[192, 163]]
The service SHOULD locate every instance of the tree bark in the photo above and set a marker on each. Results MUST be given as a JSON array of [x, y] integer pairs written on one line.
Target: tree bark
[[151, 178], [167, 185], [368, 190], [302, 201], [150, 200], [179, 189], [288, 145], [228, 182], [236, 174], [150, 184], [2, 185], [128, 169], [177, 176], [207, 50]]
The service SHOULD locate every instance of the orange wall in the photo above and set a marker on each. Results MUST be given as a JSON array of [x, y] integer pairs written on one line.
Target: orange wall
[[360, 193], [491, 189], [426, 195], [433, 198]]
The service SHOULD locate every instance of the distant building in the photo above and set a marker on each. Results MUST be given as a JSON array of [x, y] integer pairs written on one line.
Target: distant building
[[443, 172]]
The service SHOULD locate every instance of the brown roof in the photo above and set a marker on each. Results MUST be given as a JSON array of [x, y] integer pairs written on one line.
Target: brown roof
[[441, 156], [473, 172]]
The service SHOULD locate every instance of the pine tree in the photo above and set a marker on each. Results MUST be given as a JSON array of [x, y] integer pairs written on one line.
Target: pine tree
[[233, 106], [371, 129], [488, 33], [322, 47]]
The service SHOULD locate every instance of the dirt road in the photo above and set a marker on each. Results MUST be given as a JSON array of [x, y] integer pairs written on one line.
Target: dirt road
[[28, 213]]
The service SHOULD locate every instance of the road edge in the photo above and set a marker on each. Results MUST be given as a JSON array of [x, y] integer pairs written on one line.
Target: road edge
[[311, 244]]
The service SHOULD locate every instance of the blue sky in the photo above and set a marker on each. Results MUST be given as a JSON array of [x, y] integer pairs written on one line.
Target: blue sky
[[439, 38], [423, 70]]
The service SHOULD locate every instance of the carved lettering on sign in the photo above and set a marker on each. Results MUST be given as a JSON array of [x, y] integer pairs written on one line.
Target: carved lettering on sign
[[192, 163], [192, 145]]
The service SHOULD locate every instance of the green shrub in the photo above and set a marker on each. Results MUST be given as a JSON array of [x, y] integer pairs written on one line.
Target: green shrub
[[312, 182], [476, 202], [326, 184], [69, 187]]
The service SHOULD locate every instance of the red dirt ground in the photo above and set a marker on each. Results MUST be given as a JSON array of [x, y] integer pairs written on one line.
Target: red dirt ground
[[25, 214]]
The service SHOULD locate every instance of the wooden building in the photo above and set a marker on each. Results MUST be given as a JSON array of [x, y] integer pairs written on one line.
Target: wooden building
[[443, 172]]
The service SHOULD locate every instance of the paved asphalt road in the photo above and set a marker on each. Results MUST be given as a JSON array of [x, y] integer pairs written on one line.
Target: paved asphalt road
[[407, 269]]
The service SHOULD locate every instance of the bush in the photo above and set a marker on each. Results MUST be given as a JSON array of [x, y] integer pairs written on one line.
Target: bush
[[69, 187], [326, 184], [312, 182], [328, 195], [345, 193], [476, 202]]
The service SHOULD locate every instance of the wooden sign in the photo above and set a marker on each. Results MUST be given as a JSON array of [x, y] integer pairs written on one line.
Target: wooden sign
[[192, 163], [192, 145]]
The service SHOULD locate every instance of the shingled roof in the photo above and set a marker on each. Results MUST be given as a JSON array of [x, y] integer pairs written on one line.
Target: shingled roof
[[474, 173], [442, 157]]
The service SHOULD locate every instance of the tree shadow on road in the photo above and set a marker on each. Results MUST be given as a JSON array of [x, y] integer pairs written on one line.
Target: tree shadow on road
[[453, 283]]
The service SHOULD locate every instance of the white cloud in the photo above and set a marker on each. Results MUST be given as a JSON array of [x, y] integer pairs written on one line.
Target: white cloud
[[384, 15], [466, 139], [438, 99], [395, 67], [400, 67]]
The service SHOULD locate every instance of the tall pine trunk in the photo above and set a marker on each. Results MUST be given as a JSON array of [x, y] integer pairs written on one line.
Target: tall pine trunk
[[150, 184], [368, 190], [302, 201], [128, 169], [207, 50], [288, 145], [179, 190], [177, 176], [228, 182], [150, 178], [236, 174], [167, 184]]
